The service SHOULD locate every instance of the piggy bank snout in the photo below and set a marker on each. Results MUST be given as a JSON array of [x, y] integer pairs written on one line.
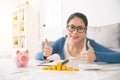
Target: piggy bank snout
[[23, 58]]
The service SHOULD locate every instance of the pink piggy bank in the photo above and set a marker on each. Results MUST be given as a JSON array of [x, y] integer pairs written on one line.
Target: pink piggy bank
[[22, 58]]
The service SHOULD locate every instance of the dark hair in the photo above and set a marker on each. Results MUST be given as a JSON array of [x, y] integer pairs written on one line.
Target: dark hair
[[79, 15]]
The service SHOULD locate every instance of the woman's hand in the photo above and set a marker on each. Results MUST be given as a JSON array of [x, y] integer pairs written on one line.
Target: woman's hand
[[47, 49], [89, 55]]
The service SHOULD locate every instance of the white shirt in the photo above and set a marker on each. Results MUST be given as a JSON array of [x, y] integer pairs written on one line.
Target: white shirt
[[74, 61]]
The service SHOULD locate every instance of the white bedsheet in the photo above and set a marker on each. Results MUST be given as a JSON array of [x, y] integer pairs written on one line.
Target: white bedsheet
[[8, 71]]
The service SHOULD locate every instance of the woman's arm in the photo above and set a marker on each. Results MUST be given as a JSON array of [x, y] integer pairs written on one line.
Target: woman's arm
[[57, 46], [104, 54]]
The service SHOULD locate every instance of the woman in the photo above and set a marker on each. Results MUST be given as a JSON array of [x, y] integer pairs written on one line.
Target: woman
[[76, 46]]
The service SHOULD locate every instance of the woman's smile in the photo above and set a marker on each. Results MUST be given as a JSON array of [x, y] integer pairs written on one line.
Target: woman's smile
[[75, 37]]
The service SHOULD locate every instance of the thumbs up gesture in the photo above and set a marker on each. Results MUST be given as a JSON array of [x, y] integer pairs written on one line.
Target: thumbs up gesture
[[47, 49], [89, 55]]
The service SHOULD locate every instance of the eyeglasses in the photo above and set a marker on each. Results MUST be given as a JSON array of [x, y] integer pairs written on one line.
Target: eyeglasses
[[80, 29]]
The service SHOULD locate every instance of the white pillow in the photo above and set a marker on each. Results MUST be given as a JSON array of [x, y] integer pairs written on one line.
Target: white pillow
[[108, 35]]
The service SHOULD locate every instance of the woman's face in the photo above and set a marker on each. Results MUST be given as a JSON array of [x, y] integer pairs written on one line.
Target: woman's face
[[75, 36]]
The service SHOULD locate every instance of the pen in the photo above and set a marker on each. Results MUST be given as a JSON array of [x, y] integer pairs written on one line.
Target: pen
[[65, 61]]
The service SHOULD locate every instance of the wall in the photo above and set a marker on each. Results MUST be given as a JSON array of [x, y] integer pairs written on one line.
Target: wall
[[99, 12], [6, 9]]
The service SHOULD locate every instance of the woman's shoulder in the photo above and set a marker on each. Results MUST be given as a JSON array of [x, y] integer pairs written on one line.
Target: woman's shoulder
[[95, 44], [91, 40], [61, 39]]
